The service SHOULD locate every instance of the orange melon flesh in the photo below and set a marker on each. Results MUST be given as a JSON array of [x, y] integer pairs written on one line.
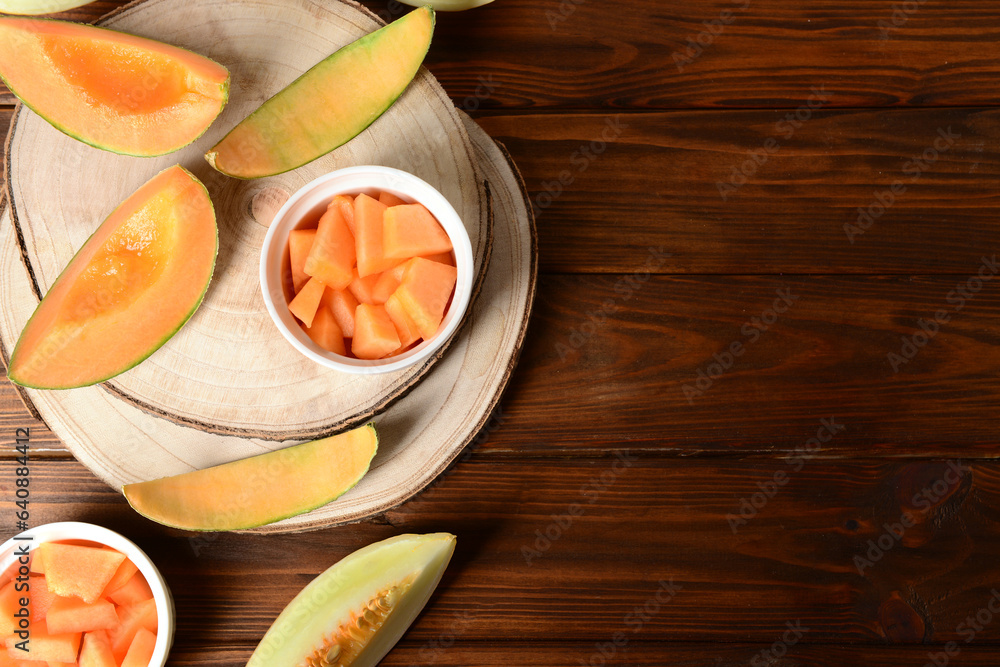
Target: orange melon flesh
[[41, 598], [328, 105], [374, 333], [134, 591], [442, 258], [131, 286], [387, 283], [306, 302], [346, 205], [228, 497], [300, 242], [37, 566], [411, 231], [120, 637], [425, 292], [147, 614], [6, 660], [71, 614], [368, 216], [390, 199], [96, 650], [343, 304], [9, 605], [46, 647], [140, 650], [406, 328], [363, 289], [331, 259], [325, 332], [114, 91], [125, 572], [80, 571]]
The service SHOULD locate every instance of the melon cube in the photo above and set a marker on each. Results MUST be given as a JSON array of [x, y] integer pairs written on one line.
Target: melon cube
[[146, 611], [390, 199], [300, 242], [61, 664], [325, 331], [134, 591], [77, 570], [131, 618], [374, 333], [333, 253], [406, 328], [411, 231], [10, 604], [37, 566], [387, 283], [96, 651], [442, 258], [45, 647], [425, 292], [368, 214], [346, 204], [74, 615], [306, 302], [342, 305], [140, 650], [122, 576], [363, 288], [7, 660], [41, 598]]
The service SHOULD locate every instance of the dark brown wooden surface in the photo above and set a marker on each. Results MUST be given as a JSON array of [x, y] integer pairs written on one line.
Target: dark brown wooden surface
[[648, 272]]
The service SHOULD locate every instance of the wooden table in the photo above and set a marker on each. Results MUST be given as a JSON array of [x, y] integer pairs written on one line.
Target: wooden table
[[750, 420]]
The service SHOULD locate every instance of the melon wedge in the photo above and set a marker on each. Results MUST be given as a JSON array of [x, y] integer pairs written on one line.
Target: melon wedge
[[114, 91], [328, 105], [131, 286], [35, 7], [261, 489], [355, 612]]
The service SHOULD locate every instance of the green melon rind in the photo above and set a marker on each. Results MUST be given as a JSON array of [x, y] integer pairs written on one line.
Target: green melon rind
[[303, 80], [332, 595], [38, 7], [276, 518], [223, 87], [162, 341], [447, 5]]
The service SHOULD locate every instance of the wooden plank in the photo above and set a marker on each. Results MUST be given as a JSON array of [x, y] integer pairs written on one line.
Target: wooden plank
[[656, 183], [568, 549]]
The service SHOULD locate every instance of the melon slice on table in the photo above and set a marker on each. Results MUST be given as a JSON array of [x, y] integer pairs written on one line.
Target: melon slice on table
[[71, 614], [363, 288], [343, 305], [46, 647], [131, 287], [96, 650], [425, 292], [241, 494], [306, 302], [374, 333], [114, 91], [369, 600], [135, 590], [300, 242], [368, 217], [80, 571], [328, 105], [332, 257], [140, 650], [406, 328], [411, 231]]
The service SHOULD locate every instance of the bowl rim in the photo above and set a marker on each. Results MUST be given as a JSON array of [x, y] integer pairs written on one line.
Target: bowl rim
[[383, 179], [77, 530]]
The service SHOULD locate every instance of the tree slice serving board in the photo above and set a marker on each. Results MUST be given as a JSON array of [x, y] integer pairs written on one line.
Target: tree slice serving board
[[421, 434], [229, 370]]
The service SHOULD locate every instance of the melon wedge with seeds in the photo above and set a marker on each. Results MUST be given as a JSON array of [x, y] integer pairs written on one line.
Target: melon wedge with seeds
[[114, 91], [328, 105], [261, 489], [356, 611]]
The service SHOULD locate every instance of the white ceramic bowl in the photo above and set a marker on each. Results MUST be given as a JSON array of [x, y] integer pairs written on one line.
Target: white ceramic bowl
[[73, 530], [306, 206]]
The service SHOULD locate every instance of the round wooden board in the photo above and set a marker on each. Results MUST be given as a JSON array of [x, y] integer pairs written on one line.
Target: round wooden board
[[229, 370], [421, 434]]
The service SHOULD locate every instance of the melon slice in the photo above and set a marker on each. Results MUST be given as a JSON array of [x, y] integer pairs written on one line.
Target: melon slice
[[390, 199], [368, 224], [442, 258], [346, 205], [242, 494], [140, 650], [80, 571], [328, 105], [130, 621], [147, 614], [425, 292], [131, 286], [41, 598], [300, 242], [44, 646], [332, 256], [114, 91], [306, 302], [325, 331], [71, 614], [125, 572], [343, 305], [368, 600], [374, 333], [406, 328], [363, 289], [134, 591], [96, 651], [36, 7], [387, 283], [411, 231]]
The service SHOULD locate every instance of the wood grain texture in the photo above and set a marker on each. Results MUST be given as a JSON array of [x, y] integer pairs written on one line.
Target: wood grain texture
[[616, 528]]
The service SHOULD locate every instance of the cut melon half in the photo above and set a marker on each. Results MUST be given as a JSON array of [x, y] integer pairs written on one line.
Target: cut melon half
[[357, 610], [35, 7], [131, 286], [261, 489], [112, 90], [328, 105]]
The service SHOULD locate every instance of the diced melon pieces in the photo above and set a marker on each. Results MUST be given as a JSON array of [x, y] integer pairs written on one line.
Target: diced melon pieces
[[9, 605], [37, 566], [45, 647], [346, 204], [406, 328], [96, 651], [411, 231], [10, 573], [125, 572], [77, 570], [306, 302], [7, 660], [140, 650], [61, 664], [442, 258], [363, 288], [368, 214], [325, 331], [74, 615], [300, 242], [342, 305], [130, 620], [40, 597], [147, 614], [387, 283], [134, 591], [332, 257], [374, 333], [390, 199], [425, 292]]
